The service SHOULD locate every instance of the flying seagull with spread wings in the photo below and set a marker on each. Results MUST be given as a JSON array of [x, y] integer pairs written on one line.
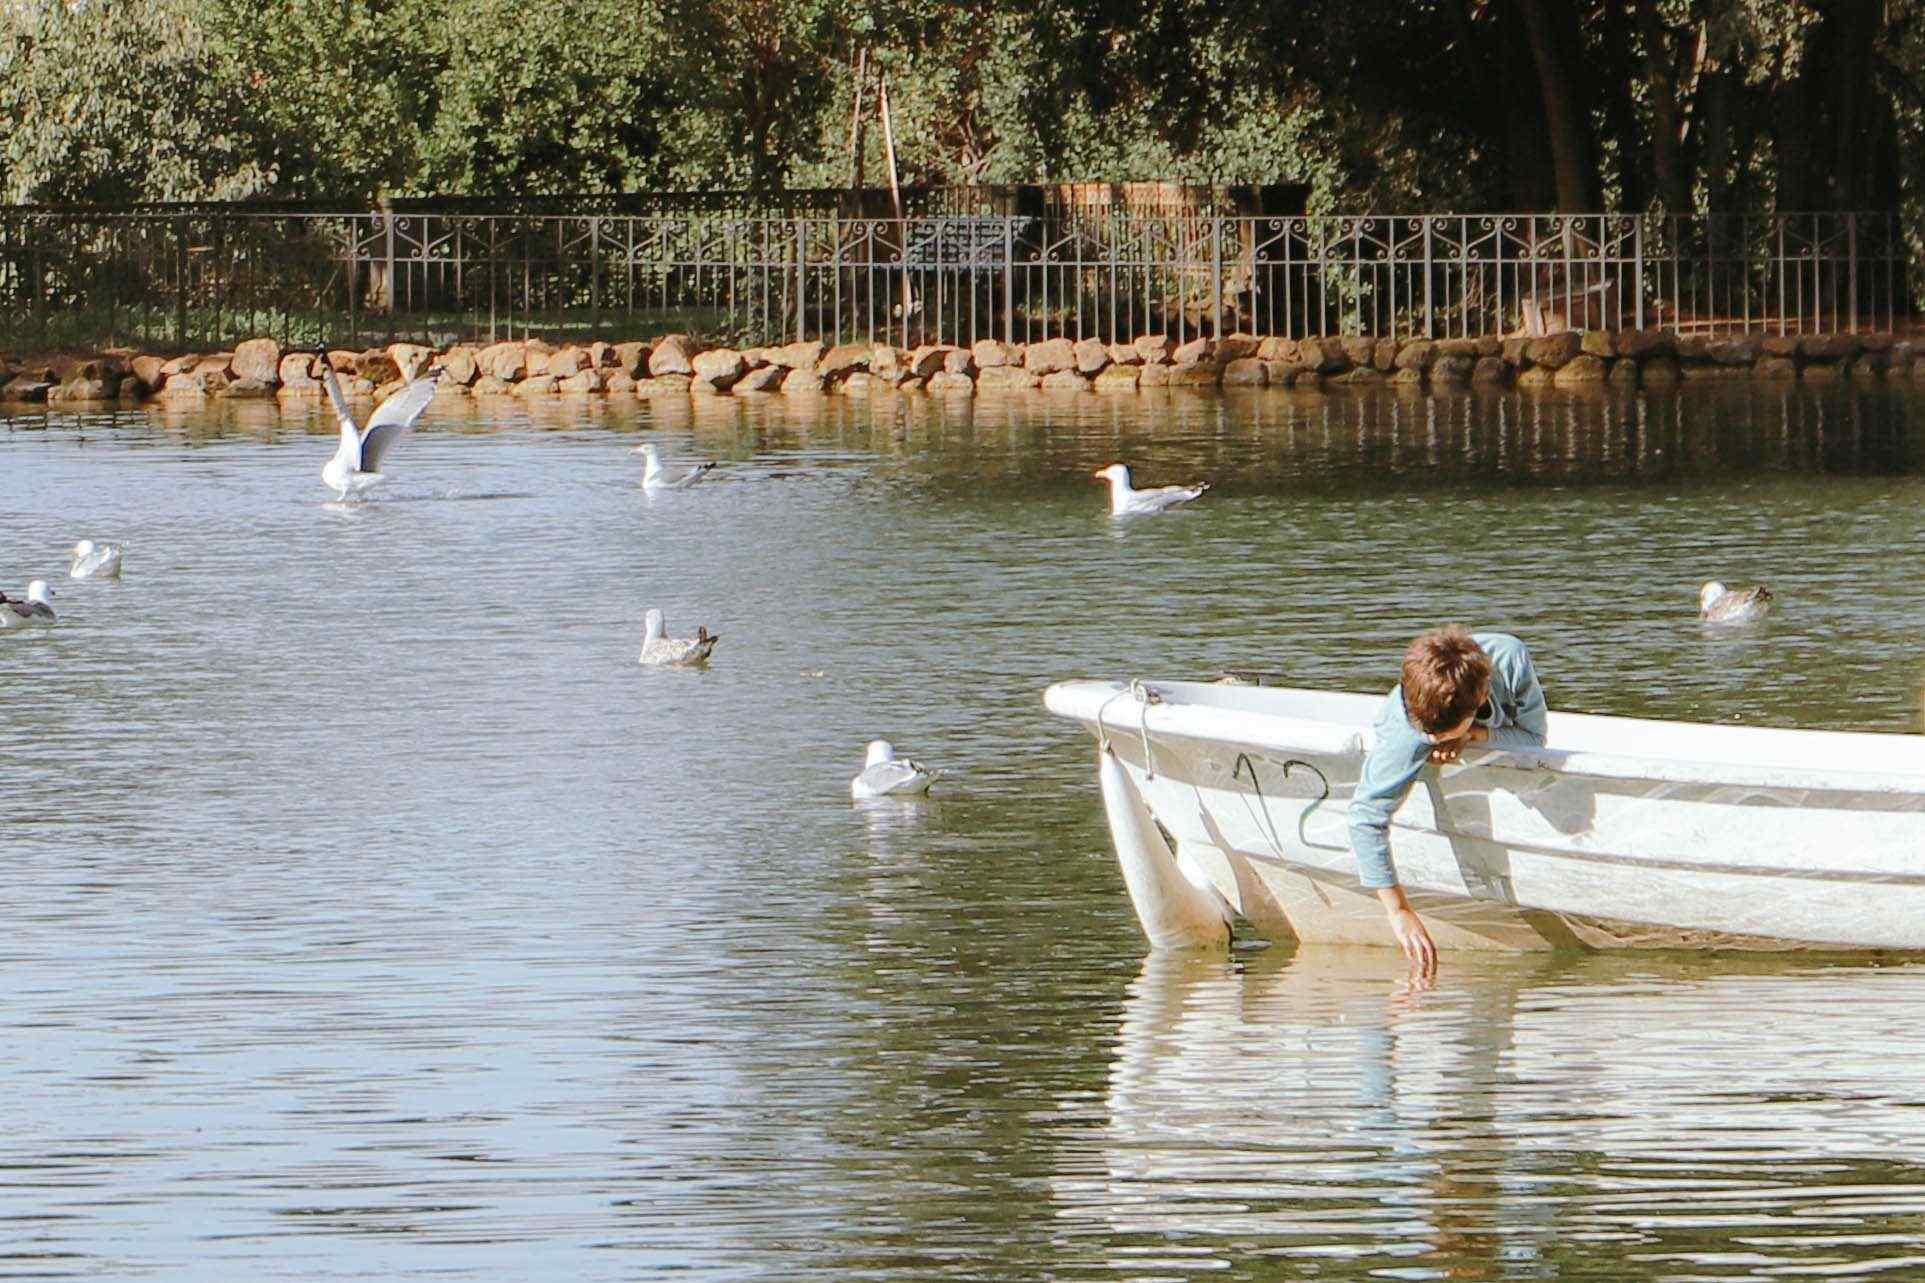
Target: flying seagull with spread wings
[[356, 464]]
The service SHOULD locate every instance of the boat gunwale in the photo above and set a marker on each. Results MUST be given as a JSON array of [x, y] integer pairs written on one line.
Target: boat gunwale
[[1109, 710]]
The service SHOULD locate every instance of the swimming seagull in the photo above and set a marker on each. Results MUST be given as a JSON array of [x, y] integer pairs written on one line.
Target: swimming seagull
[[662, 651], [883, 774], [657, 478], [1126, 501], [95, 560], [1720, 605], [37, 609], [356, 464]]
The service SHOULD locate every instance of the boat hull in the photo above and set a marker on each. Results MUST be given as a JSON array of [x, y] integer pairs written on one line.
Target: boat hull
[[1510, 851]]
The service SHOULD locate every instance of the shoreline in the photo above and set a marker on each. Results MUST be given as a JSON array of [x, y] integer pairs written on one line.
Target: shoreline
[[676, 365]]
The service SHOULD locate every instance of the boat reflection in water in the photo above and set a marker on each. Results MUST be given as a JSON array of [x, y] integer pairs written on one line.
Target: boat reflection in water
[[1529, 1118]]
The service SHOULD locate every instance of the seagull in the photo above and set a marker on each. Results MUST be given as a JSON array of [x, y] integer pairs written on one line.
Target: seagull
[[884, 774], [36, 609], [657, 478], [95, 561], [1720, 605], [1128, 502], [356, 464], [662, 651]]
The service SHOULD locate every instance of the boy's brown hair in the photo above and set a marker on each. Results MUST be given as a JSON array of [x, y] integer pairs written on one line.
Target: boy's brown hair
[[1446, 675]]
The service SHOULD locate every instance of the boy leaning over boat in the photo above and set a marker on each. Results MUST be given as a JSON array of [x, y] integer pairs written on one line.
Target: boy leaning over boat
[[1458, 689]]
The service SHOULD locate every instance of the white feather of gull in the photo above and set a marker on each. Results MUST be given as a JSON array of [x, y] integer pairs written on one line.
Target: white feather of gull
[[884, 774], [1720, 605], [657, 476], [95, 560], [356, 464], [1127, 501], [659, 650], [36, 611]]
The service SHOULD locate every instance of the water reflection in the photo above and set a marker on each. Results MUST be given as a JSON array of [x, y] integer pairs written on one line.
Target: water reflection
[[1315, 436], [378, 917], [1574, 1118]]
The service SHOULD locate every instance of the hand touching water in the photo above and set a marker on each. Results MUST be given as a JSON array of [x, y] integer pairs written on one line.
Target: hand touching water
[[1411, 935]]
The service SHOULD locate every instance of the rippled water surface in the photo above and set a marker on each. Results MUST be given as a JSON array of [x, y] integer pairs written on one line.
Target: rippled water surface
[[371, 914]]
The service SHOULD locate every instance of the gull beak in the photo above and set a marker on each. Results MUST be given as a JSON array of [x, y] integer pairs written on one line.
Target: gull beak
[[1098, 474], [638, 450]]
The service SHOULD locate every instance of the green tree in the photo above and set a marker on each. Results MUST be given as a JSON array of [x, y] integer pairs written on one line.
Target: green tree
[[120, 101], [542, 96]]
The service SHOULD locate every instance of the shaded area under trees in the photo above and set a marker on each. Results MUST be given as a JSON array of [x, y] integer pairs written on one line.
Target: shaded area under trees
[[1412, 105]]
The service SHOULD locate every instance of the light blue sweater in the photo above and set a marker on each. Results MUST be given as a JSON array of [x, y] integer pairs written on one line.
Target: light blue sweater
[[1516, 719]]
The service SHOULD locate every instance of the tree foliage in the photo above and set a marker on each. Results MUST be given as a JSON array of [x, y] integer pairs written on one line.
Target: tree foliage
[[122, 101], [1407, 104]]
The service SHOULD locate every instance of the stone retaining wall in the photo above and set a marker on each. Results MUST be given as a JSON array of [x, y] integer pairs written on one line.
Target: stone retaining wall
[[675, 365]]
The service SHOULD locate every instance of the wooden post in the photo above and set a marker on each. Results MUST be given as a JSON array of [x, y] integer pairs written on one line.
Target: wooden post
[[855, 125], [895, 193]]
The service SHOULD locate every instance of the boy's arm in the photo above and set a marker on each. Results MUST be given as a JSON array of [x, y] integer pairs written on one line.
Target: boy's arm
[[1530, 715], [1390, 768]]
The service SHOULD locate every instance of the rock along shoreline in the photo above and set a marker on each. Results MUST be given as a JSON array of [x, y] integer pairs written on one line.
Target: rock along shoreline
[[677, 365]]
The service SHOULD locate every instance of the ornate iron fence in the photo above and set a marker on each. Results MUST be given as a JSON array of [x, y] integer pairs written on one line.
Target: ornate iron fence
[[195, 275]]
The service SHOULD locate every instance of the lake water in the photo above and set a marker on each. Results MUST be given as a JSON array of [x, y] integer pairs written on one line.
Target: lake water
[[371, 914]]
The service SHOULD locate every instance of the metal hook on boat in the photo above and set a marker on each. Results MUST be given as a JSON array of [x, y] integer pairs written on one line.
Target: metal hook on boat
[[1236, 771], [1308, 766], [1263, 805]]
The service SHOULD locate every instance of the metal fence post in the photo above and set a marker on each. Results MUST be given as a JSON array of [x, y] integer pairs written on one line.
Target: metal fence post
[[1637, 267], [1851, 260], [1009, 284], [1430, 315], [113, 284], [801, 276], [180, 282], [37, 278], [1216, 278], [387, 219], [1778, 267], [220, 272]]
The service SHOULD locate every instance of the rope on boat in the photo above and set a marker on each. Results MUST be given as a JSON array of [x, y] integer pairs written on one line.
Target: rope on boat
[[1145, 696]]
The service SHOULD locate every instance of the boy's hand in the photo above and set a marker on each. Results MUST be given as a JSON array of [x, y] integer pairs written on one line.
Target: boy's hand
[[1450, 750], [1411, 935]]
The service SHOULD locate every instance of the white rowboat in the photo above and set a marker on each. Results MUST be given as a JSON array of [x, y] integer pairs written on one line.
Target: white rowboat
[[1230, 802]]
